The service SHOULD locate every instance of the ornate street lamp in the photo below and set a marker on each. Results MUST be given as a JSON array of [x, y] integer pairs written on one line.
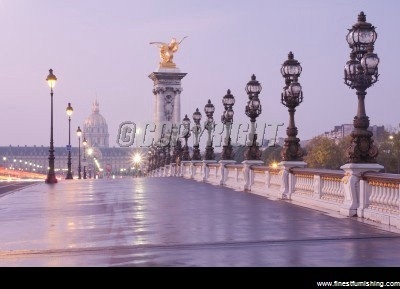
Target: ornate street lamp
[[227, 118], [253, 110], [149, 157], [174, 143], [186, 135], [177, 152], [167, 150], [196, 131], [158, 159], [84, 142], [291, 97], [79, 134], [161, 151], [361, 72], [51, 177], [153, 157], [69, 111], [209, 125]]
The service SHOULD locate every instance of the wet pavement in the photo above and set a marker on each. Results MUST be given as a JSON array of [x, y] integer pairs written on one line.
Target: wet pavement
[[12, 186], [174, 222]]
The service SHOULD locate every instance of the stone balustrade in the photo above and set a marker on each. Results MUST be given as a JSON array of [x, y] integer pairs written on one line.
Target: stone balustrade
[[358, 190], [380, 198]]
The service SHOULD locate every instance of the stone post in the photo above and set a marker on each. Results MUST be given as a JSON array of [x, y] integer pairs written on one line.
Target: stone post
[[351, 183], [287, 181]]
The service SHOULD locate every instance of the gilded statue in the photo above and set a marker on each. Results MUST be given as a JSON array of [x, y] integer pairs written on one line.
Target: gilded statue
[[167, 51]]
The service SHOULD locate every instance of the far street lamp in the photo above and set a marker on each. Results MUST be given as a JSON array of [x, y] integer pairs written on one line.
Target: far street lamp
[[174, 142], [137, 159], [209, 125], [196, 131], [51, 177], [69, 111], [291, 97], [162, 156], [84, 142], [227, 118], [90, 153], [186, 135], [79, 134], [253, 110], [361, 72]]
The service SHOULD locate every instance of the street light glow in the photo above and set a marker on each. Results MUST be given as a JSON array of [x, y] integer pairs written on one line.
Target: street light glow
[[274, 165], [137, 158]]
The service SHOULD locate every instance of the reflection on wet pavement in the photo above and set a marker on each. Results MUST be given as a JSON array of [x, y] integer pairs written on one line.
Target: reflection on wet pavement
[[177, 222]]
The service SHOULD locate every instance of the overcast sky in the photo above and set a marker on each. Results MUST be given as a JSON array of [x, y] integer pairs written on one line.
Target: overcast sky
[[100, 49]]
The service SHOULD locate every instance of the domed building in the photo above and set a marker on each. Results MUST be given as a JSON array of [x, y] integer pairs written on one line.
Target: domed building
[[95, 128], [97, 158]]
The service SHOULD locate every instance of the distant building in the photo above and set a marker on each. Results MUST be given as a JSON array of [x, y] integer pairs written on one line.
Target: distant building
[[114, 160], [95, 128], [341, 131], [110, 160]]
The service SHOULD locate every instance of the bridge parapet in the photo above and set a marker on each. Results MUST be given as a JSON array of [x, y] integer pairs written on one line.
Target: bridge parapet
[[214, 173], [186, 171], [380, 198], [318, 189]]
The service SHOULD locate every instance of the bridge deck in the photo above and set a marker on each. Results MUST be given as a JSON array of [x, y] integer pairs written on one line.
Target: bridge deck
[[178, 222]]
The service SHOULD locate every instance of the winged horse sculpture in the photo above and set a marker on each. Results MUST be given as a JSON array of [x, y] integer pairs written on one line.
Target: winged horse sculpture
[[167, 51]]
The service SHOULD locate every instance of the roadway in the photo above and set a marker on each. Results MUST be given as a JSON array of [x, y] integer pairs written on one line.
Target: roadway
[[174, 222], [7, 187]]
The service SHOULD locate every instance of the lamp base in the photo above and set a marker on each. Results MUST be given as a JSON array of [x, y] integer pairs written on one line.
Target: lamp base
[[51, 179]]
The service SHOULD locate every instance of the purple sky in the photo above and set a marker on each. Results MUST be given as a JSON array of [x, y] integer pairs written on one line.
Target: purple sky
[[100, 49]]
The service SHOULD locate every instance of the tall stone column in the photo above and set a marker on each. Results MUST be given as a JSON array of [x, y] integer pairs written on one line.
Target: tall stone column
[[167, 90]]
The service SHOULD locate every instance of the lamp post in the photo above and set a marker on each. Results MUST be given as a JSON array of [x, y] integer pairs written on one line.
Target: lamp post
[[69, 111], [51, 177], [291, 97], [4, 165], [167, 150], [177, 152], [79, 134], [156, 159], [196, 131], [94, 167], [209, 125], [152, 159], [149, 159], [361, 72], [253, 110], [227, 118], [186, 135], [90, 152], [137, 159], [84, 142], [173, 149], [161, 152]]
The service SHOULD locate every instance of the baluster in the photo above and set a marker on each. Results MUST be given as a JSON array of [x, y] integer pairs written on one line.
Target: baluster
[[385, 197], [381, 196], [393, 199], [372, 196], [389, 198]]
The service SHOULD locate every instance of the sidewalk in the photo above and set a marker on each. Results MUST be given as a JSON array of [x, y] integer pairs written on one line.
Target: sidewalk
[[176, 222]]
